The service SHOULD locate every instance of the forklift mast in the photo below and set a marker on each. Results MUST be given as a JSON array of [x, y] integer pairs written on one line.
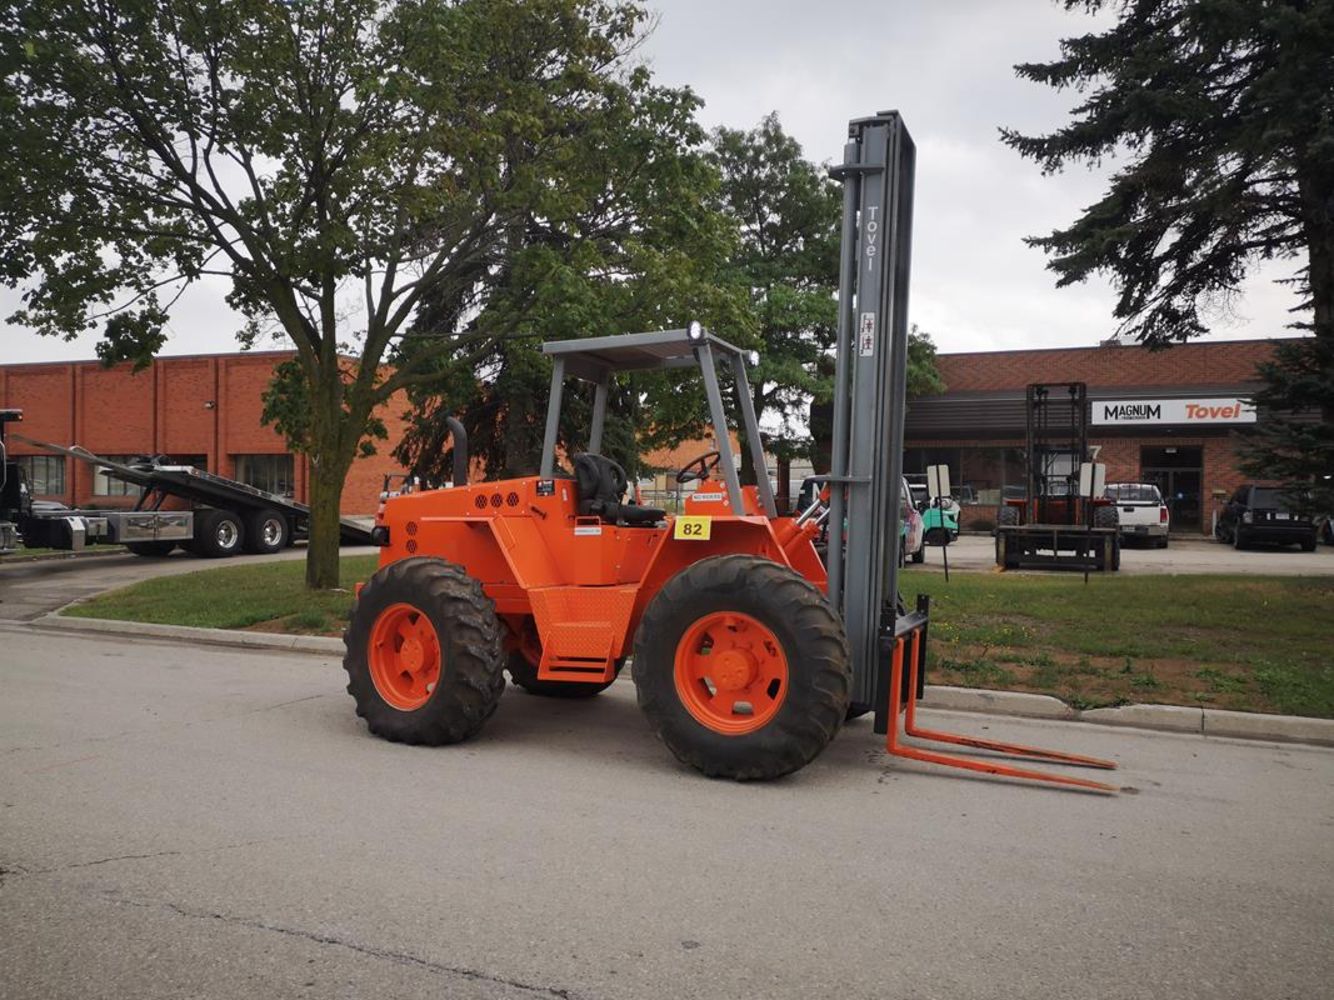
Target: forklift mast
[[1057, 445], [870, 389]]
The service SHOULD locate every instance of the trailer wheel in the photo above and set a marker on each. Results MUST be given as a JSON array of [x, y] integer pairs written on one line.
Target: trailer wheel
[[218, 534], [266, 532], [742, 668], [424, 658]]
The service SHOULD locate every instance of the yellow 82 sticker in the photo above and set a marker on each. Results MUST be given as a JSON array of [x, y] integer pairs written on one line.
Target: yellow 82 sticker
[[693, 528]]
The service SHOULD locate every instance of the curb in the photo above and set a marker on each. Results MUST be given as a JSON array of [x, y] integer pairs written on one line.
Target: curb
[[17, 558], [1161, 718], [184, 633]]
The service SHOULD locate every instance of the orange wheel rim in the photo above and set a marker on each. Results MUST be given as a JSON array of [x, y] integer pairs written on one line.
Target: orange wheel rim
[[731, 673], [404, 657]]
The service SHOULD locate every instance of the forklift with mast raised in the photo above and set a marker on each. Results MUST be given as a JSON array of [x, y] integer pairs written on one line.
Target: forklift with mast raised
[[750, 650]]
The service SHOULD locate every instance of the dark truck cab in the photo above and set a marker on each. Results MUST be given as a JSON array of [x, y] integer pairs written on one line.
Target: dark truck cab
[[1264, 514]]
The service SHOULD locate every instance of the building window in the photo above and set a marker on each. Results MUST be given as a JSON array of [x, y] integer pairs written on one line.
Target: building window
[[45, 474], [105, 486], [270, 473]]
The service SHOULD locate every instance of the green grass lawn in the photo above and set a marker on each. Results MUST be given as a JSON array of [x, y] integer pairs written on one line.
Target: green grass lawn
[[270, 595], [1253, 643]]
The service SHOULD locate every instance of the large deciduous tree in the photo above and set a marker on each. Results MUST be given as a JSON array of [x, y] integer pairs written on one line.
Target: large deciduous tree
[[788, 211], [1219, 116], [339, 162], [635, 243]]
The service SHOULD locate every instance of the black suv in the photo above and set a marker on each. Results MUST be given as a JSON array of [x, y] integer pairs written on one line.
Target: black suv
[[1262, 514]]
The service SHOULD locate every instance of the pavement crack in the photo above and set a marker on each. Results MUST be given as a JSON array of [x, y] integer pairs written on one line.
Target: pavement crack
[[387, 954], [104, 861], [154, 854]]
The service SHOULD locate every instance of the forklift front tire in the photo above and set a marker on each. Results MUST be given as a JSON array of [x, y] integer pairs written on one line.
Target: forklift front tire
[[742, 668]]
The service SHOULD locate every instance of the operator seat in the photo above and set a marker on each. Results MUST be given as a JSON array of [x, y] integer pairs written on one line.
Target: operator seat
[[601, 484]]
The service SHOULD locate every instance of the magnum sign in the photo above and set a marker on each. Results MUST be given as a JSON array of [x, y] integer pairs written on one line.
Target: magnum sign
[[1173, 411]]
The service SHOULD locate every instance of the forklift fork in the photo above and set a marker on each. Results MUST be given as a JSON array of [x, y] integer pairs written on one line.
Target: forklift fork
[[909, 645]]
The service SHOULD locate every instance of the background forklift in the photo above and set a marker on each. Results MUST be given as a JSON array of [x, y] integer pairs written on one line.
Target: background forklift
[[749, 651], [1063, 521]]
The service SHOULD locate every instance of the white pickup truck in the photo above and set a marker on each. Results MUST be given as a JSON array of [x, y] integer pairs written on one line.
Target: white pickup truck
[[1143, 514]]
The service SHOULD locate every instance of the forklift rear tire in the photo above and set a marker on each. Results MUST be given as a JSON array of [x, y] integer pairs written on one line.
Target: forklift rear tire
[[150, 550], [524, 674], [1106, 517], [1007, 515], [742, 668], [218, 534], [424, 659]]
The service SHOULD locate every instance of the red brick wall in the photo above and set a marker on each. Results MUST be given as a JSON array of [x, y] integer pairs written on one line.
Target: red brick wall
[[185, 426], [165, 409], [1185, 364]]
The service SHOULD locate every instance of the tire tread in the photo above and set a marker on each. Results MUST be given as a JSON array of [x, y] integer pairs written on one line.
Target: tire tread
[[472, 669]]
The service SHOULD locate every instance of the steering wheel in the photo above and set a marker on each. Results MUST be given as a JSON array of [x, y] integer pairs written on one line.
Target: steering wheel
[[706, 463]]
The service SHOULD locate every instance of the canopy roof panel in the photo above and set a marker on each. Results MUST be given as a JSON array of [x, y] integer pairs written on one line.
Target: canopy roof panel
[[593, 357]]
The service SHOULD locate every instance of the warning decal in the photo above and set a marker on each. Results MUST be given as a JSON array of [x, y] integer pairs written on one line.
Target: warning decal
[[866, 335]]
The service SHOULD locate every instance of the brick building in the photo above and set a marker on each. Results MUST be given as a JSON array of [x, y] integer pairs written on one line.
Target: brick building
[[1170, 417], [202, 410]]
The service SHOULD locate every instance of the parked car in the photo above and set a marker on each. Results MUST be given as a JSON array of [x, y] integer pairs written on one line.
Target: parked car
[[940, 524], [1142, 511], [1325, 529], [1263, 514], [913, 535]]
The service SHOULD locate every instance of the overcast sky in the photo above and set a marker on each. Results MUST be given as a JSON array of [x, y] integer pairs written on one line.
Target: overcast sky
[[946, 65]]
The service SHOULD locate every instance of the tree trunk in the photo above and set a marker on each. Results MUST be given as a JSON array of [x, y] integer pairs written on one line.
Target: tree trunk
[[327, 473], [1317, 194], [747, 473]]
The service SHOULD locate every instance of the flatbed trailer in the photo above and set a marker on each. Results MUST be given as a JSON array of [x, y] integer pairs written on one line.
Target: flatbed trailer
[[204, 513]]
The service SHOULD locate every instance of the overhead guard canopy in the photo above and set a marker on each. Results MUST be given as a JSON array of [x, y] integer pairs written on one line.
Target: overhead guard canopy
[[593, 358]]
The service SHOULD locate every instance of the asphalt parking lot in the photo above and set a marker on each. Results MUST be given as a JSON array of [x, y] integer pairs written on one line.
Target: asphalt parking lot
[[1183, 555], [191, 821]]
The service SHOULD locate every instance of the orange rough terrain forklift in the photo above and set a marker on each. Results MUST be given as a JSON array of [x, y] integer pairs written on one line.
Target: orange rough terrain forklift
[[748, 652]]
